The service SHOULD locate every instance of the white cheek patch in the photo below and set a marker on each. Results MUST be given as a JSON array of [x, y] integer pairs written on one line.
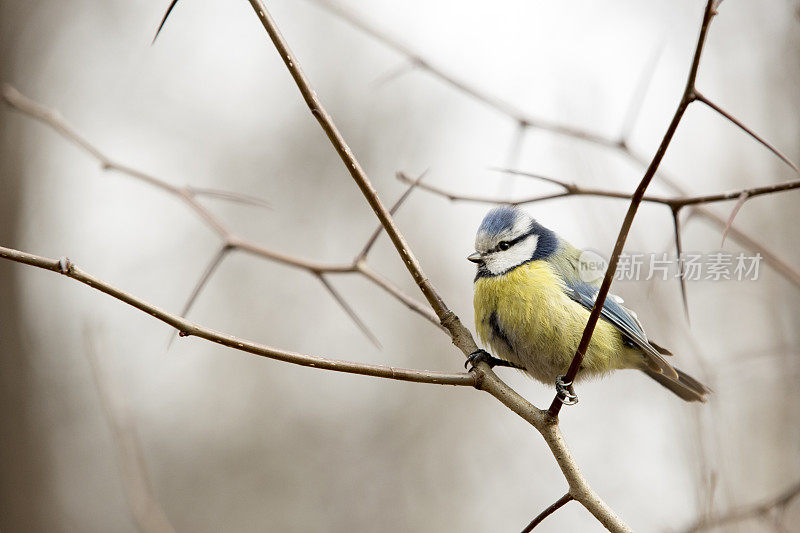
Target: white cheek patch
[[502, 261]]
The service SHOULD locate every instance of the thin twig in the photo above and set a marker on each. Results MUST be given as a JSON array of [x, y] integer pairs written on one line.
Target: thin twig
[[511, 111], [566, 498], [503, 107], [189, 328], [483, 378], [571, 189], [686, 99], [745, 239], [461, 337], [188, 195], [486, 380], [205, 276], [692, 202], [749, 192], [695, 204], [507, 109], [350, 161], [200, 285]]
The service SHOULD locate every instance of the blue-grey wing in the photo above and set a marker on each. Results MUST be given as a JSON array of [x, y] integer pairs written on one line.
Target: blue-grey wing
[[622, 318]]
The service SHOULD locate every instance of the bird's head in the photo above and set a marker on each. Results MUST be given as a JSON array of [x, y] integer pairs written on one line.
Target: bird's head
[[509, 237]]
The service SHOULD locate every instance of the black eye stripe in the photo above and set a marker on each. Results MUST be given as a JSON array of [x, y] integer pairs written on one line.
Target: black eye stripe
[[512, 242]]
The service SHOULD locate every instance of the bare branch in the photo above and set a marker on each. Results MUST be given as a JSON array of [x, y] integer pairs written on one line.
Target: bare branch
[[693, 203], [499, 105], [566, 498], [548, 426], [743, 238], [750, 192], [216, 260], [461, 197], [144, 506], [510, 111], [569, 189], [522, 118], [188, 328], [687, 98], [188, 195], [54, 120], [482, 377], [513, 114], [485, 379], [351, 163]]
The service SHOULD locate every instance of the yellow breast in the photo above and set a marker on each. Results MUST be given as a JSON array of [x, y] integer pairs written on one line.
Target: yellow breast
[[526, 318]]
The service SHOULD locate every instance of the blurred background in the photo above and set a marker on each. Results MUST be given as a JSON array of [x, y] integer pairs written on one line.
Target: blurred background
[[239, 443]]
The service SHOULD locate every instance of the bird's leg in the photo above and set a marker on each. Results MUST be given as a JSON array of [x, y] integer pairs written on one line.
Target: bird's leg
[[484, 356], [566, 393]]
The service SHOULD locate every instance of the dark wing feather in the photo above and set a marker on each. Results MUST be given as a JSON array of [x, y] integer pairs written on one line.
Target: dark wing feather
[[623, 319]]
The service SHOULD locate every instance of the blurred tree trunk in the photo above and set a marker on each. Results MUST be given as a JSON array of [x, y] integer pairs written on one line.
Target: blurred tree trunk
[[21, 455]]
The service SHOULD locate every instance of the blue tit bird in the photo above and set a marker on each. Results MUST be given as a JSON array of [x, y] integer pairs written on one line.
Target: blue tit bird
[[531, 307]]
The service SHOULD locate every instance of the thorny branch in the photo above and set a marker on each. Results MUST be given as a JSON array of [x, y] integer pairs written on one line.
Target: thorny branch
[[230, 241], [638, 195], [189, 328], [620, 143], [461, 336], [482, 376], [675, 203], [571, 189]]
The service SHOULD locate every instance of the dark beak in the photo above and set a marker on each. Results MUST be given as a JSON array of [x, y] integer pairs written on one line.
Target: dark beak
[[475, 258]]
